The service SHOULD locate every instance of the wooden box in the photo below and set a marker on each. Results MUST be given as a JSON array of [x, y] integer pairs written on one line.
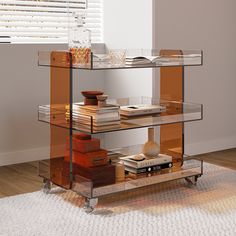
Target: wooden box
[[89, 159], [99, 176], [83, 146]]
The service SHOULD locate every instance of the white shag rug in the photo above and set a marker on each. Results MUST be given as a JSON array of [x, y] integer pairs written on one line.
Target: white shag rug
[[164, 209]]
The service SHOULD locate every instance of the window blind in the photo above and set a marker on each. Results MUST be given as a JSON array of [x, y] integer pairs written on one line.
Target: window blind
[[46, 21]]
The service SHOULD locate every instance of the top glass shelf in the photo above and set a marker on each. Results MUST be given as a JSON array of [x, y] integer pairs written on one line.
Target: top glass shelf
[[101, 60]]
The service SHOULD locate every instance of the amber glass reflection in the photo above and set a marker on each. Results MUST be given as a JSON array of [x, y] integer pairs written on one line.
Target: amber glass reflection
[[60, 97], [171, 88]]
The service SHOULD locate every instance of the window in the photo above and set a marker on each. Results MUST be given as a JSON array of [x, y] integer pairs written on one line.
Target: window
[[46, 21]]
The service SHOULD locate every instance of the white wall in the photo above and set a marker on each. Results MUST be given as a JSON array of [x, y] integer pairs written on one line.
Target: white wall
[[207, 25], [23, 86], [128, 25]]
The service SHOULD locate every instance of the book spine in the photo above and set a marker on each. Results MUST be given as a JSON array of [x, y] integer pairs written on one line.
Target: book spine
[[151, 168], [99, 116], [152, 162], [104, 111]]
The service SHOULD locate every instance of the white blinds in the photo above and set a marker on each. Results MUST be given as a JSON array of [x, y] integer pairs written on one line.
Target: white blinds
[[46, 21]]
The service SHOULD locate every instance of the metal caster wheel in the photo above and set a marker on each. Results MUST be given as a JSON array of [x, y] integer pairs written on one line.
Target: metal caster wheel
[[90, 204], [47, 186], [192, 181]]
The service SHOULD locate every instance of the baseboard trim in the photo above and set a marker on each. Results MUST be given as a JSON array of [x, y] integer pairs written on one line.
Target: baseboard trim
[[42, 153], [22, 156], [210, 146]]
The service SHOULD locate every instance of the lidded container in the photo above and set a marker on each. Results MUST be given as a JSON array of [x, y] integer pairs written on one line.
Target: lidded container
[[79, 39]]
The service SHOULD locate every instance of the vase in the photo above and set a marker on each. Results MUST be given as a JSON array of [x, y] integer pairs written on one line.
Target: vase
[[151, 148]]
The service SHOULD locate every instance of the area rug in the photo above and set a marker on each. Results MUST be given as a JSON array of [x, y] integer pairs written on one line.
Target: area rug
[[165, 209]]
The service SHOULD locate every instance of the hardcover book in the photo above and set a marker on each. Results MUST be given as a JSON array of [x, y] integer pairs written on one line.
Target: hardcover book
[[95, 109], [141, 109], [82, 116], [146, 162], [148, 169], [89, 128]]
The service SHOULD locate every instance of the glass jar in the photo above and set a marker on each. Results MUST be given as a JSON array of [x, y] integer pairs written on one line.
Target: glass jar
[[79, 40]]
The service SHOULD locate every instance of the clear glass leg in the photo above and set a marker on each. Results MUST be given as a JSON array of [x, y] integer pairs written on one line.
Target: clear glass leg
[[90, 204], [47, 186], [192, 181]]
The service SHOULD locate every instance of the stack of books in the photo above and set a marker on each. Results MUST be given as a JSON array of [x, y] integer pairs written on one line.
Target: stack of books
[[48, 113], [99, 119], [44, 112], [144, 164]]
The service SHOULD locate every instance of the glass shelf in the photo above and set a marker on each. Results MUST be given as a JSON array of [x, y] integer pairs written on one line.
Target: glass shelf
[[100, 61], [190, 168], [87, 188], [175, 112]]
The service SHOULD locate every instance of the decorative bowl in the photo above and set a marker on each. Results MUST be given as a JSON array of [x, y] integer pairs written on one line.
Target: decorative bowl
[[91, 94]]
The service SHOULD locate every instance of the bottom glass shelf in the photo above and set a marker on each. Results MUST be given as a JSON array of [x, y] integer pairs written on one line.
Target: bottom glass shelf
[[190, 168], [57, 170]]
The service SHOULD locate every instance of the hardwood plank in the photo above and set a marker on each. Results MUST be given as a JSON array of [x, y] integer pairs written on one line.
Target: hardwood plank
[[18, 179], [226, 158]]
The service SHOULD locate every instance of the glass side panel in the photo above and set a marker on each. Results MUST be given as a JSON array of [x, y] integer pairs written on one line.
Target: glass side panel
[[56, 169], [153, 58], [172, 88], [174, 112]]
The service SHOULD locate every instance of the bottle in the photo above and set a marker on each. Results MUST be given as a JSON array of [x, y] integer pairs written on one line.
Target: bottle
[[79, 40], [151, 148]]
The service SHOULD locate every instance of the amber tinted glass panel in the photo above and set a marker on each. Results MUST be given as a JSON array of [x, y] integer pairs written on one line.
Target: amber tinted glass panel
[[171, 88], [60, 95]]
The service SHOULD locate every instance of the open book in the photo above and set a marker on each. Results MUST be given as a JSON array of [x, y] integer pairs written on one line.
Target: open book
[[141, 60]]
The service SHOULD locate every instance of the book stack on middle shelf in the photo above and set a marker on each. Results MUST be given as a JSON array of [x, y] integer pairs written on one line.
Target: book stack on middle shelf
[[118, 114], [92, 116]]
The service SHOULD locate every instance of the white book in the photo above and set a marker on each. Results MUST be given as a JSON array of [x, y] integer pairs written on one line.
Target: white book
[[94, 108], [142, 60], [160, 159], [104, 123], [87, 128], [99, 115], [141, 109], [96, 118]]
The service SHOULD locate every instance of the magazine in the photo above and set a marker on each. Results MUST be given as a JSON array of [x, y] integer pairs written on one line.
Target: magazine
[[142, 60], [141, 109]]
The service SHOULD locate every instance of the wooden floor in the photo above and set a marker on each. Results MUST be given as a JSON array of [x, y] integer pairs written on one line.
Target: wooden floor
[[20, 178], [226, 158], [23, 178]]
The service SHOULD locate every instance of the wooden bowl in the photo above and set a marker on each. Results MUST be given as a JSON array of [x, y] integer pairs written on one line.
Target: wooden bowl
[[91, 94]]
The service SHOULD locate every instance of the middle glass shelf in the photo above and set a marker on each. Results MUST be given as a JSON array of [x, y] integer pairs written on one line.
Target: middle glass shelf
[[130, 113]]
